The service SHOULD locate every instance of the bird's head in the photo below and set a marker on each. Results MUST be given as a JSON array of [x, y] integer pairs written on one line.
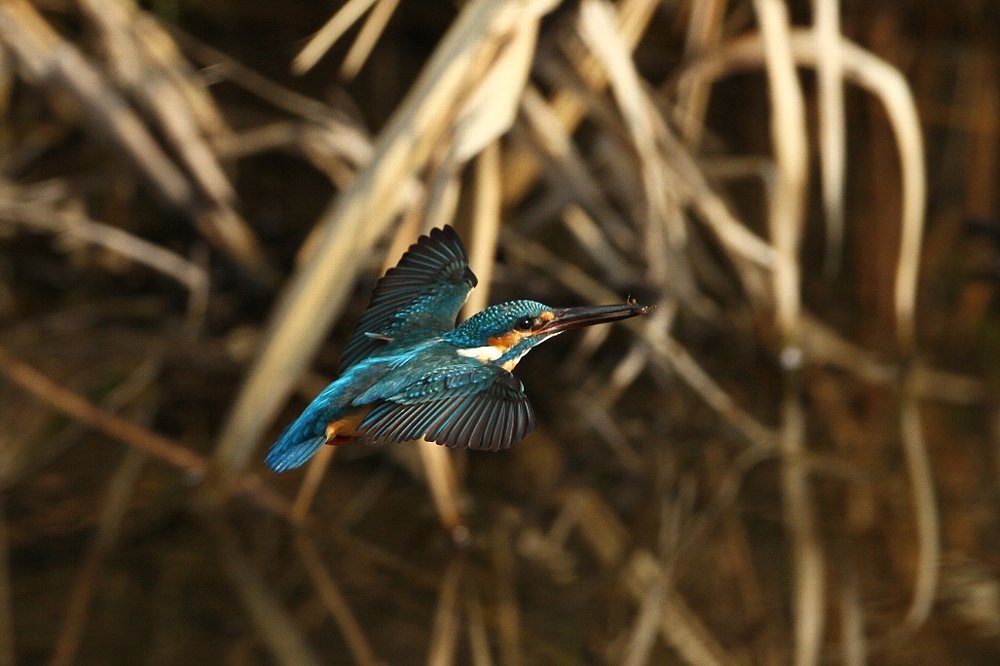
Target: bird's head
[[502, 334]]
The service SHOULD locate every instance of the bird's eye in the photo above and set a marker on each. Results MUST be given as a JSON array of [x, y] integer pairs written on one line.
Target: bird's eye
[[524, 323]]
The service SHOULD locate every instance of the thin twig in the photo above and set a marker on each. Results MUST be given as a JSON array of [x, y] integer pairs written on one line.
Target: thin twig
[[67, 643], [310, 484], [367, 37], [287, 643], [328, 35], [447, 617], [334, 602], [188, 273]]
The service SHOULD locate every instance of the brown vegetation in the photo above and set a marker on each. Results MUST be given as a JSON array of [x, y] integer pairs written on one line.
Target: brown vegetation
[[792, 460]]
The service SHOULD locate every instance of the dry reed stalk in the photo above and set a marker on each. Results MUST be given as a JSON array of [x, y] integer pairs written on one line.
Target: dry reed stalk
[[486, 228], [667, 352], [327, 36], [129, 38], [365, 41], [832, 130], [156, 446], [593, 240], [824, 346], [646, 626], [598, 28], [521, 169], [679, 626], [447, 617], [67, 642], [444, 484], [562, 162], [310, 483], [274, 626], [660, 209], [37, 215], [924, 510], [44, 58], [854, 645], [47, 60], [507, 612], [704, 33], [479, 643], [756, 610], [83, 410], [354, 221], [598, 418], [440, 199], [889, 86], [334, 602], [790, 146]]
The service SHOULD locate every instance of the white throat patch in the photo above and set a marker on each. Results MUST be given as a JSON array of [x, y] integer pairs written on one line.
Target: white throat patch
[[482, 354]]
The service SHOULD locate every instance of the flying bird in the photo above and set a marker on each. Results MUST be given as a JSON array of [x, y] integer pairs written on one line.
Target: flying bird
[[408, 372]]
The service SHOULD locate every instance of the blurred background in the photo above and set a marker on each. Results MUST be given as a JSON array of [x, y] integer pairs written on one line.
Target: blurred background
[[794, 459]]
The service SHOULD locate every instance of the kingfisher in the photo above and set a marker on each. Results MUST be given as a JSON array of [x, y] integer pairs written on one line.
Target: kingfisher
[[408, 372]]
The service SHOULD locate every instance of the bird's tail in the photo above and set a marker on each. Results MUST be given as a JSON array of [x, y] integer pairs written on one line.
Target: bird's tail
[[289, 453], [300, 441]]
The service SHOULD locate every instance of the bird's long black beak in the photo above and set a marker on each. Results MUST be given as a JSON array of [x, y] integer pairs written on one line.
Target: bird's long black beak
[[570, 318]]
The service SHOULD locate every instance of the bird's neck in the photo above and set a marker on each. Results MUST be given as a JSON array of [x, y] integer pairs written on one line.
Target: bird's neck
[[504, 350]]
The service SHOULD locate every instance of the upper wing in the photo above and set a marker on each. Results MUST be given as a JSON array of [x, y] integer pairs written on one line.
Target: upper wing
[[462, 405], [424, 291]]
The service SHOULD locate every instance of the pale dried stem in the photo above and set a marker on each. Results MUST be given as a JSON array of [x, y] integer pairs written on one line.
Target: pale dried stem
[[660, 211], [156, 446], [666, 351], [444, 484], [332, 30], [364, 43], [128, 37], [479, 643], [886, 83], [924, 510], [334, 602], [508, 614], [315, 472], [486, 227], [832, 130], [679, 626], [275, 627], [447, 617], [67, 642], [854, 645], [36, 215], [46, 59], [646, 626], [790, 145], [703, 35], [890, 87], [521, 169], [568, 168]]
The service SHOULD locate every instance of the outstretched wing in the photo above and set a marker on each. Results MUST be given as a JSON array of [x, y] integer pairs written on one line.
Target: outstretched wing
[[423, 292], [462, 405]]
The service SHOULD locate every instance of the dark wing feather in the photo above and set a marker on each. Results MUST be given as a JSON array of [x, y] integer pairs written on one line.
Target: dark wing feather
[[474, 407], [423, 292]]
